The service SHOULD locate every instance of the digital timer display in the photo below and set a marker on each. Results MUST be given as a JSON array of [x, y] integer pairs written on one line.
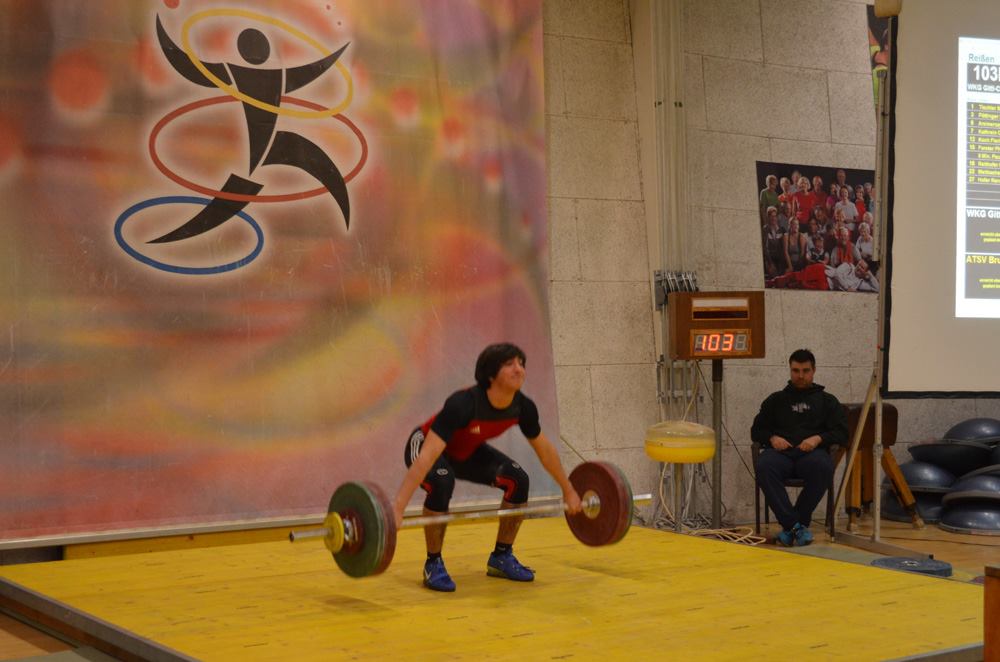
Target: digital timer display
[[716, 325], [720, 343]]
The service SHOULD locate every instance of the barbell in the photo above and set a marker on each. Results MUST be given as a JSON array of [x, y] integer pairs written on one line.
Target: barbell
[[360, 529]]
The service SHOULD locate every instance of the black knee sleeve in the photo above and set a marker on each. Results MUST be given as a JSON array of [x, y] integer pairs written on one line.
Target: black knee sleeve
[[513, 480], [439, 483]]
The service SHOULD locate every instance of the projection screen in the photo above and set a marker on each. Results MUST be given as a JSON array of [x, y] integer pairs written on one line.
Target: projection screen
[[943, 310]]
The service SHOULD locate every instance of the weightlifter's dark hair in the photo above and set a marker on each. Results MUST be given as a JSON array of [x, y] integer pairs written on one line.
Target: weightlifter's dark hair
[[803, 356], [492, 358]]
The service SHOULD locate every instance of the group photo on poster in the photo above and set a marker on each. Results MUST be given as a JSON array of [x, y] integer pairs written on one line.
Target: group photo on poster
[[817, 227]]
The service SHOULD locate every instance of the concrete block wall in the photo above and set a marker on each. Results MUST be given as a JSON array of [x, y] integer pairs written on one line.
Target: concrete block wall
[[764, 80], [784, 81], [602, 319]]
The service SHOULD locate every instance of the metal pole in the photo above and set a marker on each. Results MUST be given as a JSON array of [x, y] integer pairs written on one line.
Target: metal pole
[[717, 459], [678, 473], [877, 470], [671, 400], [685, 388], [883, 191]]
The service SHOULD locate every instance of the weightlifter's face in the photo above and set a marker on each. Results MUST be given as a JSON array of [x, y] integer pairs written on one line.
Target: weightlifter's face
[[511, 375], [801, 374]]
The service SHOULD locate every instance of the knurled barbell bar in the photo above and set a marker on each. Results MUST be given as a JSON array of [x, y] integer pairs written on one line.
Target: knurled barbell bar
[[360, 530]]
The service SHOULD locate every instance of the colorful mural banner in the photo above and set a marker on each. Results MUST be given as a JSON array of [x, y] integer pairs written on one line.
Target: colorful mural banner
[[250, 245]]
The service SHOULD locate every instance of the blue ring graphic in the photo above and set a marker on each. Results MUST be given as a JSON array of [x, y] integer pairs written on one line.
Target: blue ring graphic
[[172, 268]]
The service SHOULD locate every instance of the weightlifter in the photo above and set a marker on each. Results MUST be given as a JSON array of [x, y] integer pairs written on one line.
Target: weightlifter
[[452, 444]]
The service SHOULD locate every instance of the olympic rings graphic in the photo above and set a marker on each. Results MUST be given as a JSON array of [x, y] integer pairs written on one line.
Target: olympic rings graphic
[[231, 90], [240, 197], [173, 268]]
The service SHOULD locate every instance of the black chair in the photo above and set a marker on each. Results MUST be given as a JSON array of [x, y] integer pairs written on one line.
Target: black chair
[[756, 450]]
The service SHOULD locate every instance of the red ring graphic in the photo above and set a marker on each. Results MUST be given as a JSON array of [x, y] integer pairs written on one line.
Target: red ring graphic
[[242, 197]]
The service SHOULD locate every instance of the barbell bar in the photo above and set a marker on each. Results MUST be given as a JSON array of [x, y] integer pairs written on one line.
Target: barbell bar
[[360, 528], [591, 508]]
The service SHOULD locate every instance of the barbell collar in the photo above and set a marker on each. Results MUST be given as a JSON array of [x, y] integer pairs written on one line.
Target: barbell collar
[[307, 534]]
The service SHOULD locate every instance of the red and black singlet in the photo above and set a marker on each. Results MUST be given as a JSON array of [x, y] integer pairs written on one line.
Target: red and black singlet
[[468, 420]]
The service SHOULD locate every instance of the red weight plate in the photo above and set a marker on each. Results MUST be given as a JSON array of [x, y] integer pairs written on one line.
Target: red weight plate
[[390, 527], [615, 515], [625, 523]]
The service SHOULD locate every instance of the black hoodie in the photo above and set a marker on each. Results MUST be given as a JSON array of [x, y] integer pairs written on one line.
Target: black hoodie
[[798, 413]]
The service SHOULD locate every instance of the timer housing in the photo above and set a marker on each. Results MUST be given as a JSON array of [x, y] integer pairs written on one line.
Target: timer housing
[[716, 325]]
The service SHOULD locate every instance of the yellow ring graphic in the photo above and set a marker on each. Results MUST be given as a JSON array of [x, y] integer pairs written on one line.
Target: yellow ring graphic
[[257, 103]]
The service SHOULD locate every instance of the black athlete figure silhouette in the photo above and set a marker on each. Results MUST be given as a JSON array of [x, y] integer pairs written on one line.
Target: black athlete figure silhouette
[[266, 86]]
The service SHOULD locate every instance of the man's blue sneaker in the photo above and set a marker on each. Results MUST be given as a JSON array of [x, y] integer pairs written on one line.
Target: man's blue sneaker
[[802, 535], [507, 566], [786, 538], [436, 576]]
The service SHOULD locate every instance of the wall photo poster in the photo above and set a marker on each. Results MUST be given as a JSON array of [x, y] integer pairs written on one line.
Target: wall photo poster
[[817, 227], [249, 246]]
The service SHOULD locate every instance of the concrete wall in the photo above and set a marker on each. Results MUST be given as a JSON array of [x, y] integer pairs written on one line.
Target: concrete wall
[[602, 319], [764, 80]]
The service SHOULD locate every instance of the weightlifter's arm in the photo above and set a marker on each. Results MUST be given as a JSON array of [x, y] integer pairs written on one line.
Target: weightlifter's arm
[[430, 451], [549, 457]]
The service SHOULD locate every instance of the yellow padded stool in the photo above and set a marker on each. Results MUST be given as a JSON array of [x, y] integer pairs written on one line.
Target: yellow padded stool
[[679, 443]]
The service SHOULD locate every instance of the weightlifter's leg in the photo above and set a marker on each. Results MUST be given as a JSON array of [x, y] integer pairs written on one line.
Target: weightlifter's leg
[[436, 576], [434, 533], [509, 526], [489, 466], [439, 484]]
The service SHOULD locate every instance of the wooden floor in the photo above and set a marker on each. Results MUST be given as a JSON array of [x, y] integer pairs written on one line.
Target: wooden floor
[[654, 595], [18, 640], [968, 554]]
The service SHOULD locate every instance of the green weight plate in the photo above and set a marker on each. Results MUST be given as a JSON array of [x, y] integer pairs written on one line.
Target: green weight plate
[[364, 507], [615, 515]]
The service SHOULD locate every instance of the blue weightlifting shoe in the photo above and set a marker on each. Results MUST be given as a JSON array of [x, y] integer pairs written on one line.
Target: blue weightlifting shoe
[[436, 576], [786, 538], [802, 535], [507, 566]]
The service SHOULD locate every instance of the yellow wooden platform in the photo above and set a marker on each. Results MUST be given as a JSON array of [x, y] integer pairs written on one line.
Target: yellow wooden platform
[[655, 595]]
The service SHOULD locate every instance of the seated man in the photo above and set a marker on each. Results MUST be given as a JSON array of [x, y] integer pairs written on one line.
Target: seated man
[[453, 444], [796, 426]]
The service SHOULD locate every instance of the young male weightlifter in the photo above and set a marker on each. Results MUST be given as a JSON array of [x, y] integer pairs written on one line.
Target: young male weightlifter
[[452, 444]]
